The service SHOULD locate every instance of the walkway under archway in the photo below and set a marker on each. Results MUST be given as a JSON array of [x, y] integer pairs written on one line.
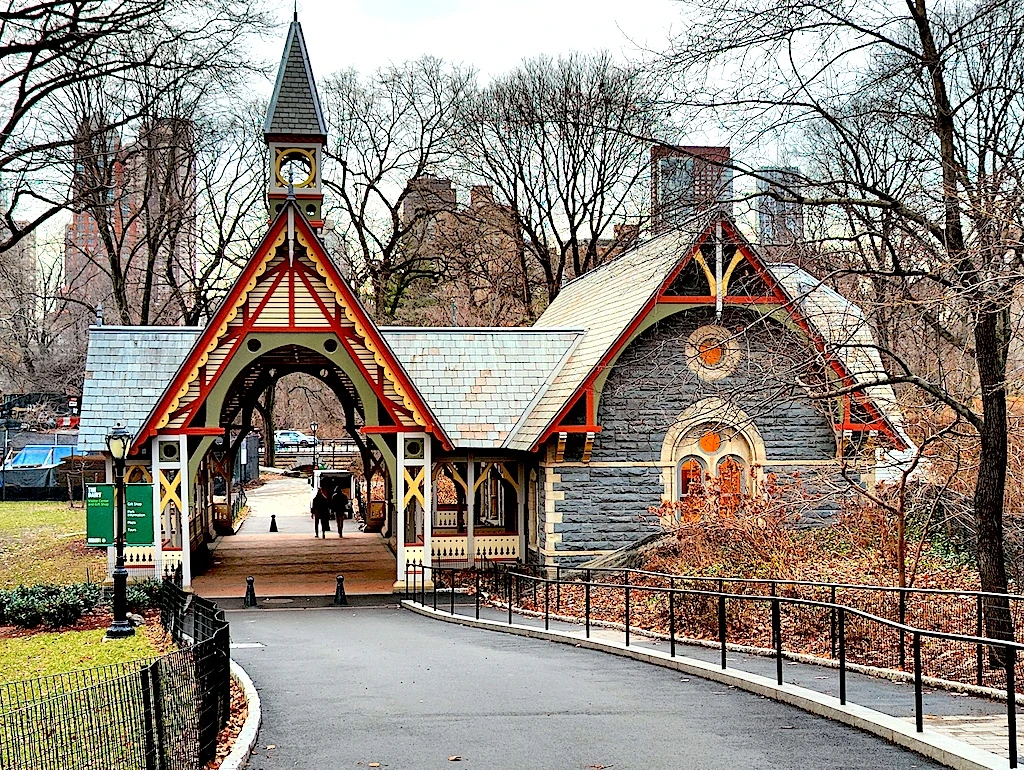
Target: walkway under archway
[[291, 562]]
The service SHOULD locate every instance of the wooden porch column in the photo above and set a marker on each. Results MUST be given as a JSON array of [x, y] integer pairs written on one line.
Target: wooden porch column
[[470, 508], [521, 515], [428, 499], [399, 487], [184, 492], [158, 514]]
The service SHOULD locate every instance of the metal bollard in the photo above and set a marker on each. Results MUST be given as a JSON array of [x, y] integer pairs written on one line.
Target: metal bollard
[[340, 600], [250, 592], [273, 522]]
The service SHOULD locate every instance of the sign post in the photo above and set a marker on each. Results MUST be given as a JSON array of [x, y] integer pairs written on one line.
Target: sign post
[[99, 514]]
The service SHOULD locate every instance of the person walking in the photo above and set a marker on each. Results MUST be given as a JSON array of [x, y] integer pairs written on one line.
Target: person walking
[[339, 508], [320, 510]]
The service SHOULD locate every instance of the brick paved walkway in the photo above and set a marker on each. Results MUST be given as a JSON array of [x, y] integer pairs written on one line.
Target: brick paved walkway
[[291, 562]]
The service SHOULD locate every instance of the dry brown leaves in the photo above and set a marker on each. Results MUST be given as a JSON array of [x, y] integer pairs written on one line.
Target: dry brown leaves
[[230, 732]]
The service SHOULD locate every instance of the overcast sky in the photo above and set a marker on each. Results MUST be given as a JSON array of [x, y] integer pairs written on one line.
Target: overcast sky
[[490, 35]]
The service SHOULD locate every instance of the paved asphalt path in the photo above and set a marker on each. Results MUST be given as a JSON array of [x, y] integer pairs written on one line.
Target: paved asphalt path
[[343, 688]]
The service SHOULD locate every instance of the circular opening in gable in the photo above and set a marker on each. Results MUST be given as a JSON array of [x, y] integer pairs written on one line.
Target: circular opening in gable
[[330, 345], [254, 345]]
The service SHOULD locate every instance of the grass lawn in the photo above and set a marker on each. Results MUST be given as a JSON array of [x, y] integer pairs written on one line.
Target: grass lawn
[[53, 653], [44, 542]]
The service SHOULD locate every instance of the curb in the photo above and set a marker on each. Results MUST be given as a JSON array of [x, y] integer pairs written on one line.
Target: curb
[[246, 740], [943, 749]]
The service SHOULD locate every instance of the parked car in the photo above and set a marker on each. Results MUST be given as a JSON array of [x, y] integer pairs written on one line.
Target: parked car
[[284, 439]]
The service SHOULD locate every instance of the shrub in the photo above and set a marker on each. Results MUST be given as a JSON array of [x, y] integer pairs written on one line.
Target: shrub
[[50, 605], [143, 595]]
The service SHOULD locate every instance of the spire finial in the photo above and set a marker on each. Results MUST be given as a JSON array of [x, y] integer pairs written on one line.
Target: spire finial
[[295, 10]]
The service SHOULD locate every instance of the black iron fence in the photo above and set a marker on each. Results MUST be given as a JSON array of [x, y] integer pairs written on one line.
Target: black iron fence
[[158, 714], [772, 621]]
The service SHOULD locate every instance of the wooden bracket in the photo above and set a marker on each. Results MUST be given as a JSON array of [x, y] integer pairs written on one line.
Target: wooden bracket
[[560, 449], [588, 446]]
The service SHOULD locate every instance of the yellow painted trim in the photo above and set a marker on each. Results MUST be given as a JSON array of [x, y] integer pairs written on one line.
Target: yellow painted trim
[[414, 487], [737, 258], [221, 330], [363, 334], [708, 274], [169, 490]]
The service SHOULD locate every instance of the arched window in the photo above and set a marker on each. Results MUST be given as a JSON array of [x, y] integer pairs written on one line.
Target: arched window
[[691, 477], [731, 481]]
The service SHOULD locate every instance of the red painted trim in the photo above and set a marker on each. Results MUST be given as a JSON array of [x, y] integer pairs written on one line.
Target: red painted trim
[[779, 296], [291, 296], [232, 300], [199, 431], [312, 290], [665, 299], [387, 429], [577, 429]]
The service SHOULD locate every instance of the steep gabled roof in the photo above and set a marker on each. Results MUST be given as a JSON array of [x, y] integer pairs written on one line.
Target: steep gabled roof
[[613, 299], [846, 331], [606, 301], [126, 370], [243, 309], [480, 382], [295, 106]]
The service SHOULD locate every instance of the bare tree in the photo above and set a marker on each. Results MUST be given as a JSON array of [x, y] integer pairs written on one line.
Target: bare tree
[[912, 124], [51, 49], [564, 143], [399, 124]]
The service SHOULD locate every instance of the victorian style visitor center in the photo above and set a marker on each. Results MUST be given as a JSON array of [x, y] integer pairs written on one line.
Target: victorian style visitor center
[[669, 365]]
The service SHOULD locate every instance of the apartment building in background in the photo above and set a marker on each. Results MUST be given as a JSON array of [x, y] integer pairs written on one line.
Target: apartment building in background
[[137, 202]]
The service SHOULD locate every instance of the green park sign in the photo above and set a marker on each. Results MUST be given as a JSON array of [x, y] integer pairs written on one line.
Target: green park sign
[[100, 511]]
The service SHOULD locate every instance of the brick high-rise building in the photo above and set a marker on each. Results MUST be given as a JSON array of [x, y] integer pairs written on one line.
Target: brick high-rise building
[[137, 202], [687, 182]]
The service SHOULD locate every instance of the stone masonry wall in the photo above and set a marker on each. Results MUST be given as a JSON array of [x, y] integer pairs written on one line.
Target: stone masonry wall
[[604, 505]]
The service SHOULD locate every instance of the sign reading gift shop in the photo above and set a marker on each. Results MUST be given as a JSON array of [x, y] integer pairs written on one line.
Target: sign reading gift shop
[[100, 512]]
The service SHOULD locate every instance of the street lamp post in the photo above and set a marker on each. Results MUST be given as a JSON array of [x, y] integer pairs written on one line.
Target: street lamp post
[[119, 441], [313, 426]]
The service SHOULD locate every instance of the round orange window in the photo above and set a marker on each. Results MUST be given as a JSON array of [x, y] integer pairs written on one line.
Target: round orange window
[[710, 353], [710, 442]]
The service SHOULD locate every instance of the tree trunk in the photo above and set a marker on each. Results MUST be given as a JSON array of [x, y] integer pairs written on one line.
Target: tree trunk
[[992, 341], [266, 410]]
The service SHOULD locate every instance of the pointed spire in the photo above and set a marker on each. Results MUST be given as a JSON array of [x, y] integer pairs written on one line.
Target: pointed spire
[[295, 106]]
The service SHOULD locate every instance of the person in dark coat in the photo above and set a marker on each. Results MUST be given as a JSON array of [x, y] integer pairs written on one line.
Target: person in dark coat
[[339, 508], [320, 510]]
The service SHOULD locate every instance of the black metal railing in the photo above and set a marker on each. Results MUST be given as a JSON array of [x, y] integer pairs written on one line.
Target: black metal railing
[[155, 714], [712, 612]]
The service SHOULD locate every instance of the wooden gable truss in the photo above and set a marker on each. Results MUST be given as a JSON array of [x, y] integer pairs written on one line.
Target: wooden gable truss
[[289, 287], [744, 281]]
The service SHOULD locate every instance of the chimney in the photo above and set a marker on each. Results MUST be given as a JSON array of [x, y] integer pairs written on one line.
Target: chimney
[[481, 195]]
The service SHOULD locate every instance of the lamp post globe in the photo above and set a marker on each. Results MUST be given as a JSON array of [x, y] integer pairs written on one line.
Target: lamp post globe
[[119, 443], [312, 427]]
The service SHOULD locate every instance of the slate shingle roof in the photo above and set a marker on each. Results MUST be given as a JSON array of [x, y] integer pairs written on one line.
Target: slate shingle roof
[[295, 105], [845, 329], [605, 300], [479, 383], [127, 369]]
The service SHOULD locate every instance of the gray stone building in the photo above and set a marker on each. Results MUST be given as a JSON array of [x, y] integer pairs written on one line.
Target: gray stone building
[[684, 365]]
